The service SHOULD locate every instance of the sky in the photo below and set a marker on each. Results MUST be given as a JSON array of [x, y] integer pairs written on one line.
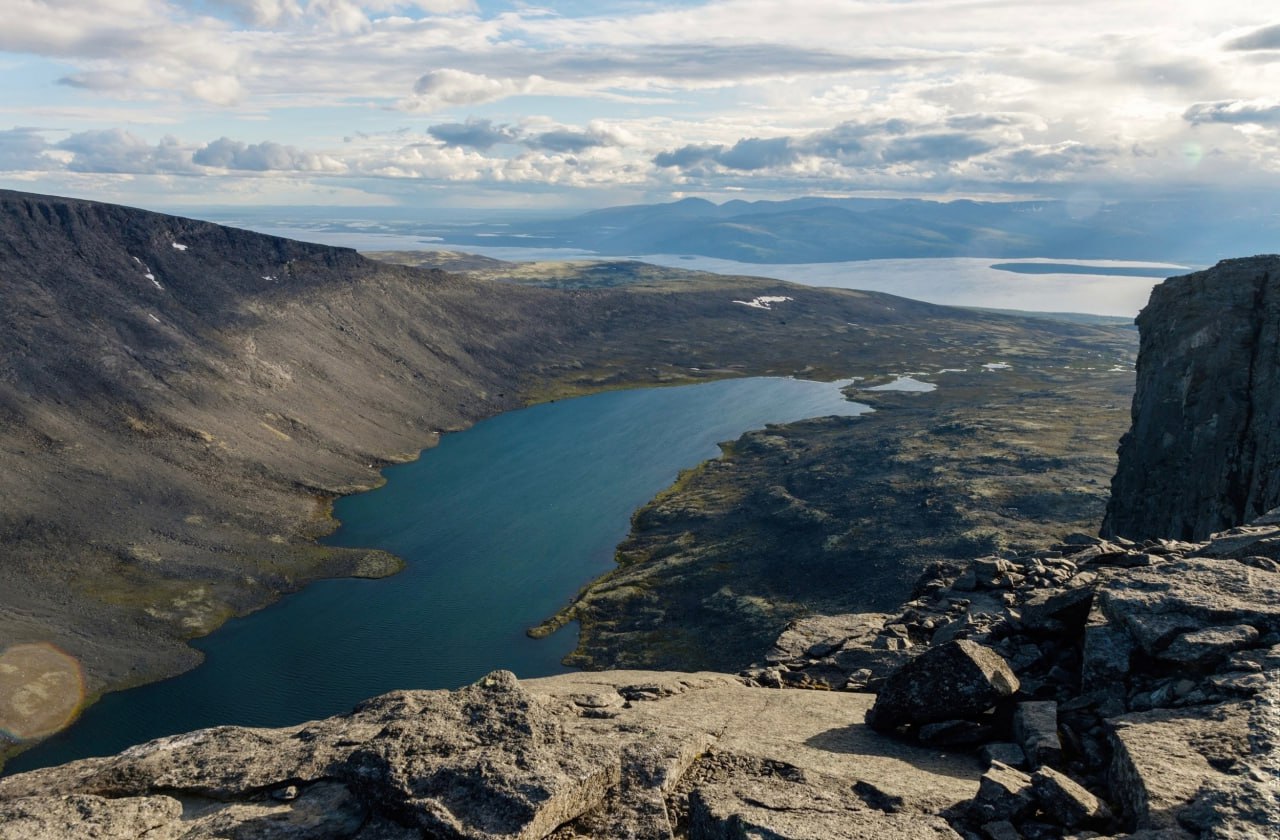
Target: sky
[[490, 104]]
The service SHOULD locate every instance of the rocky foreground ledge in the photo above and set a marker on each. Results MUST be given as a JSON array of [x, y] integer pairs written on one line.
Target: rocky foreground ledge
[[1109, 687], [1096, 689]]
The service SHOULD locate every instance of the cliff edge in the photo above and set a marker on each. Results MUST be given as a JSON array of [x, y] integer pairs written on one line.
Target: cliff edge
[[1203, 454]]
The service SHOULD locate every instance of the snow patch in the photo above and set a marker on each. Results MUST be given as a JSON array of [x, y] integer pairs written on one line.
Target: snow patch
[[905, 383], [765, 302], [997, 366], [269, 278], [153, 317], [178, 246]]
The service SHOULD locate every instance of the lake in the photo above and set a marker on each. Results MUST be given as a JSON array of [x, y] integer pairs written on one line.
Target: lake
[[1097, 287], [500, 525]]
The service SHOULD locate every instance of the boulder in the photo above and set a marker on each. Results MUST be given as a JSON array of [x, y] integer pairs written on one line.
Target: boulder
[[1066, 801], [1035, 727], [1003, 794], [956, 679], [1057, 612]]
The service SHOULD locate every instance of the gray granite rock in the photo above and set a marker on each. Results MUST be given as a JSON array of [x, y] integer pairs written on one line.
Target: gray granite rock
[[956, 679], [1157, 605], [1066, 801], [79, 815], [1004, 793], [511, 759], [1207, 647], [1035, 728]]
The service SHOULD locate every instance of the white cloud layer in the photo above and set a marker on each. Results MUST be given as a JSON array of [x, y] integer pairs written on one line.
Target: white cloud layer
[[936, 96]]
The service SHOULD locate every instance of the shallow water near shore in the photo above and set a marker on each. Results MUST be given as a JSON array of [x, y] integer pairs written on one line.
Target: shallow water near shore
[[499, 525]]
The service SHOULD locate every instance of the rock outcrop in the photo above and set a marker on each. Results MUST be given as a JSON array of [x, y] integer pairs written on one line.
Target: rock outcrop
[[1146, 690], [613, 755], [1204, 451]]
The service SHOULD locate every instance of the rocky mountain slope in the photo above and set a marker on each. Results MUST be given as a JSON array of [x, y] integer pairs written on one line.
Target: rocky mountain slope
[[1204, 451], [180, 402]]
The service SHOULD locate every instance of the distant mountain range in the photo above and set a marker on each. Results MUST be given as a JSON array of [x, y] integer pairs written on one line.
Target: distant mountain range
[[833, 229], [829, 230]]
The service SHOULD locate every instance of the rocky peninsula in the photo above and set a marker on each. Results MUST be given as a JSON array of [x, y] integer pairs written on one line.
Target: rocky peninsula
[[1094, 687]]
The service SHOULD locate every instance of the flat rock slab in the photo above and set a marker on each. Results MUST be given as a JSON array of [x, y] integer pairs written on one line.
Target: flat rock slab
[[63, 817], [1164, 758], [1159, 604], [580, 755], [813, 731], [778, 810]]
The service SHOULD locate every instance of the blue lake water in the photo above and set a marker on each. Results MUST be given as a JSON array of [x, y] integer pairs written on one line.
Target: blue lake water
[[500, 525]]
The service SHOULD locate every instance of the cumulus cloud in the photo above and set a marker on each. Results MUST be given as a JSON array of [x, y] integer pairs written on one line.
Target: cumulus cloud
[[225, 153], [1234, 112], [779, 97], [118, 151]]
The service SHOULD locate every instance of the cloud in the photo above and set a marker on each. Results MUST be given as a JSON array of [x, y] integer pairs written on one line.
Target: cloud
[[225, 153], [1266, 38], [893, 141], [686, 157], [119, 151], [473, 134], [1056, 162], [262, 12], [1233, 112], [23, 149], [935, 147], [573, 140], [441, 89]]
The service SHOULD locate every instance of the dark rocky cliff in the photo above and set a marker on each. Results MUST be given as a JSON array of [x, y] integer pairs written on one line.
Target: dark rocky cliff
[[1204, 450]]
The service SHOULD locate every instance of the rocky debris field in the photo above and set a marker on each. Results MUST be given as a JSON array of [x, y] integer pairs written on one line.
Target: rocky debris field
[[1110, 686], [1093, 689]]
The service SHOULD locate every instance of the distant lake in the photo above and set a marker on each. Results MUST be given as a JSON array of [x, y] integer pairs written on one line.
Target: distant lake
[[500, 525], [1114, 287], [1160, 272]]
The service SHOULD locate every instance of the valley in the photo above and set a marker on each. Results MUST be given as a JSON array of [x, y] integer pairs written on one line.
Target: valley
[[174, 442]]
